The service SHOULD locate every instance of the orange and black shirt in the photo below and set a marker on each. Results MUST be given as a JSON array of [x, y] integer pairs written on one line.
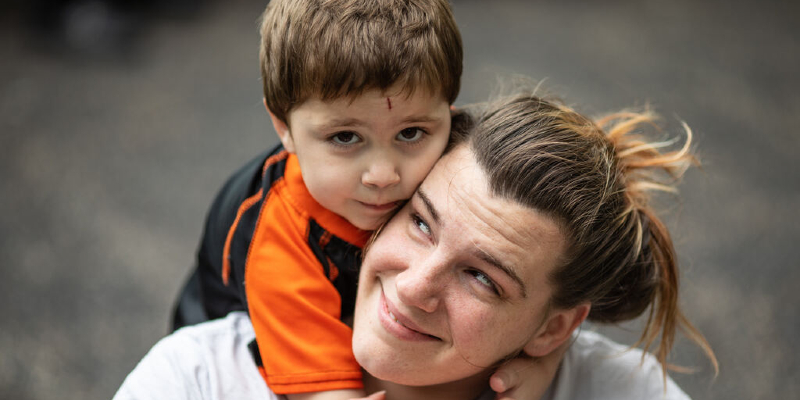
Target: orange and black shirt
[[270, 249]]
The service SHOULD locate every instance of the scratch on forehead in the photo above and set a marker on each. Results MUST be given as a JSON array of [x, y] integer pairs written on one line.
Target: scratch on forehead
[[389, 103]]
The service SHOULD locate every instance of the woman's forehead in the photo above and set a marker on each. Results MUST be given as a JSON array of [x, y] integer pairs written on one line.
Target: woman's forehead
[[459, 187], [458, 191]]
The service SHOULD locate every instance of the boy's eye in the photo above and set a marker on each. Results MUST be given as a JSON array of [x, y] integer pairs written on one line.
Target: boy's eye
[[345, 138], [410, 135]]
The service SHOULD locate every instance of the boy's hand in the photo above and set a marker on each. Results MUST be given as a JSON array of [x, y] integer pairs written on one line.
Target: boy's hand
[[375, 396], [527, 378], [344, 394]]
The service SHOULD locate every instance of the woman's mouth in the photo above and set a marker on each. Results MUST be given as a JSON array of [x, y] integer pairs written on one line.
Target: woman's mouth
[[399, 325]]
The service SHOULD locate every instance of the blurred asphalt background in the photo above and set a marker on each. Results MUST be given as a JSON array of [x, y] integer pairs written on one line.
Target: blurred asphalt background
[[114, 136]]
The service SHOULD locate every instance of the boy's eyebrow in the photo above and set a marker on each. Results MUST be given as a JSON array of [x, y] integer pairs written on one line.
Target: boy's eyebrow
[[342, 122], [416, 119], [479, 253], [420, 118]]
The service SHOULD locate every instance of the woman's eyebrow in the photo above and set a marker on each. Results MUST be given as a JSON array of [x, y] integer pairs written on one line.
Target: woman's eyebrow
[[483, 255], [428, 205], [480, 253]]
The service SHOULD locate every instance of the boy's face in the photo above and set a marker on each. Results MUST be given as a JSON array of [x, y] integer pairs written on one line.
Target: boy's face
[[362, 158]]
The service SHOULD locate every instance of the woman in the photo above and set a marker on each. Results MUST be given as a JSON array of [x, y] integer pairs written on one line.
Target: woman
[[533, 222]]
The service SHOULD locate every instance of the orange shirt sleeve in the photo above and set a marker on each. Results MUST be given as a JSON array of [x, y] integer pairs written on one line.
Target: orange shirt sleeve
[[294, 307]]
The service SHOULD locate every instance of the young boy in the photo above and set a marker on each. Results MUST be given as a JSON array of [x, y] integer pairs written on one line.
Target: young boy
[[359, 93]]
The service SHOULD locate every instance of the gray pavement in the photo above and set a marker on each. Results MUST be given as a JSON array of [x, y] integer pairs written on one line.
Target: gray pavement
[[107, 168]]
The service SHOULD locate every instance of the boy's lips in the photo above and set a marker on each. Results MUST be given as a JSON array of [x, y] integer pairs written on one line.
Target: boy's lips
[[381, 207]]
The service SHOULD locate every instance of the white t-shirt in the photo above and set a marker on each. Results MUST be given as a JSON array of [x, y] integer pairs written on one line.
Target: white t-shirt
[[597, 368], [210, 361]]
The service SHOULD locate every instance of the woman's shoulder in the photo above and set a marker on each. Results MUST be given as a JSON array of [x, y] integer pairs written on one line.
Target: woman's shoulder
[[597, 368], [236, 326], [208, 361]]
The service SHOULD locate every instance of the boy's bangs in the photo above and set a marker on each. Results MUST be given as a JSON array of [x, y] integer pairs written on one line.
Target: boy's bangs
[[352, 81], [343, 48], [408, 64]]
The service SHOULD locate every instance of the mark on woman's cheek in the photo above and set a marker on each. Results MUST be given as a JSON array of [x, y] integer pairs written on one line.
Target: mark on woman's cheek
[[389, 103]]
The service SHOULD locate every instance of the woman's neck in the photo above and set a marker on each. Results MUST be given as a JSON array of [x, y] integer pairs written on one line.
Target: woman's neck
[[465, 389]]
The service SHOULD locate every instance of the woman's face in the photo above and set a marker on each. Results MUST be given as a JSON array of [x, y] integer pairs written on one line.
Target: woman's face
[[455, 282]]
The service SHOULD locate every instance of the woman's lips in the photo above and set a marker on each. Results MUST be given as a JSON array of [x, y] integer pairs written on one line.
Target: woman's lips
[[399, 325]]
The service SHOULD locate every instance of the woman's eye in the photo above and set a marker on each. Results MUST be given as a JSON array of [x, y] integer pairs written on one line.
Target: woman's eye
[[410, 135], [421, 225], [484, 280], [345, 138]]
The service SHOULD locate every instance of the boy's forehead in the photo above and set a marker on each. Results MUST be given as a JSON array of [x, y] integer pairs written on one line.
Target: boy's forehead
[[371, 107], [392, 93]]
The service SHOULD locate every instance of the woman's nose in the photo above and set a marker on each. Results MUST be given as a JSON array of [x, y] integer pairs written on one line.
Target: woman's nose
[[420, 287], [381, 174]]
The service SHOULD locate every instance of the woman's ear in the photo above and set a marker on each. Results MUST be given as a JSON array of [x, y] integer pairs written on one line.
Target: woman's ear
[[556, 330], [282, 129]]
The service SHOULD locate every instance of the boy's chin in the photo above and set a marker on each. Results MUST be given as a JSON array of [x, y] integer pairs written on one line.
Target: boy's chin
[[364, 226], [370, 223]]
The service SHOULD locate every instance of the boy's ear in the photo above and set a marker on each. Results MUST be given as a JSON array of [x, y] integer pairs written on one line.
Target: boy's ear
[[282, 130], [556, 330]]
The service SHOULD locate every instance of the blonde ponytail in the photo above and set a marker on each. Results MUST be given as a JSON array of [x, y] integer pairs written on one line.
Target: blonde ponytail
[[645, 169], [621, 258]]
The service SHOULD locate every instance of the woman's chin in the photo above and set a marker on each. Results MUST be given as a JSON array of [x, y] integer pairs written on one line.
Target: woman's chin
[[388, 364], [407, 375], [405, 378], [390, 370]]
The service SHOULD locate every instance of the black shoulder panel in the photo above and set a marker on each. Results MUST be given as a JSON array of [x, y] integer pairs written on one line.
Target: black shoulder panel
[[217, 298], [347, 259]]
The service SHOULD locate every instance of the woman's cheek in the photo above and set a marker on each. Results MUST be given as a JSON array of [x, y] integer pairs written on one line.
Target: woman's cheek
[[398, 243], [382, 257], [489, 333], [472, 327]]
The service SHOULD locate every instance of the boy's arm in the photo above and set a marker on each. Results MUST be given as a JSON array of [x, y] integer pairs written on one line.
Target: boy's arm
[[295, 310], [526, 377]]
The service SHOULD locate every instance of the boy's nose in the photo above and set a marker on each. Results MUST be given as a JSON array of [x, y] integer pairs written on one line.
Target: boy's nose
[[381, 175]]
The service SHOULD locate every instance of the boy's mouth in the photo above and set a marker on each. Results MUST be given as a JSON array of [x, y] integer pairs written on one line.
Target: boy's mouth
[[381, 207]]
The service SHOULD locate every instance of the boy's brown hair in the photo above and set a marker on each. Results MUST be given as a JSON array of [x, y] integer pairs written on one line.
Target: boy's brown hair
[[335, 48]]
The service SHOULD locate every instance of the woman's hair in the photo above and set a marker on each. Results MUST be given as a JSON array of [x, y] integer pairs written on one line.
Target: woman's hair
[[594, 178]]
